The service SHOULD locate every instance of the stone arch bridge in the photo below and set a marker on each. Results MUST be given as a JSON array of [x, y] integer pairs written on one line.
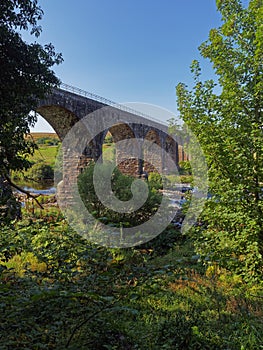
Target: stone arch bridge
[[64, 107]]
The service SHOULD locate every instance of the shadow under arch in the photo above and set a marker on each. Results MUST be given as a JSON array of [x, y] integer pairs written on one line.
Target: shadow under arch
[[60, 118], [122, 134]]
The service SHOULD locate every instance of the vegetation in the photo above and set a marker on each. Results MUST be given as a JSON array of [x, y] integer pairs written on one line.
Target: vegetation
[[197, 291], [25, 77], [228, 126], [48, 141], [121, 187], [109, 151], [43, 160], [60, 292], [185, 167]]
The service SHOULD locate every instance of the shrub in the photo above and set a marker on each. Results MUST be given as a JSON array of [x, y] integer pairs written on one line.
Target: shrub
[[121, 187], [185, 167], [41, 171], [48, 141], [156, 181]]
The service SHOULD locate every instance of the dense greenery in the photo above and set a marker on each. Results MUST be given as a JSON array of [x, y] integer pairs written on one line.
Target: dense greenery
[[228, 126], [121, 187], [60, 291], [48, 141], [57, 291], [25, 77]]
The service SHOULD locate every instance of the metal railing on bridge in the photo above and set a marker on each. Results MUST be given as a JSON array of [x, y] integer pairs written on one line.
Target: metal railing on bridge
[[108, 102]]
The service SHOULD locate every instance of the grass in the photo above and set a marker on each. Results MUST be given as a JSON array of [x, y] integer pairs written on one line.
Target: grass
[[109, 152], [46, 154], [60, 292]]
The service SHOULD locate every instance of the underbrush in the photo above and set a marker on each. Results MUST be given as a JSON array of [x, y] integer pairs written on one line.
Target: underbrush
[[59, 291]]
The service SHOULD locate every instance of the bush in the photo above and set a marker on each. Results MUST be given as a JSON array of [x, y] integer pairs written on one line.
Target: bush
[[41, 171], [185, 167], [10, 209], [59, 291], [121, 187], [48, 141], [156, 181]]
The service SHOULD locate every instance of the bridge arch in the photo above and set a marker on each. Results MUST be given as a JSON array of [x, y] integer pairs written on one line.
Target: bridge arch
[[127, 146], [60, 118], [62, 109]]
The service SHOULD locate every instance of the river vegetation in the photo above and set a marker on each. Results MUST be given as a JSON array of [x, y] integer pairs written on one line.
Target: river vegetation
[[59, 291], [197, 290]]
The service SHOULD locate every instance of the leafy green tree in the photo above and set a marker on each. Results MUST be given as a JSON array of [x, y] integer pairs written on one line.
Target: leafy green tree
[[121, 187], [41, 171], [229, 127], [25, 77]]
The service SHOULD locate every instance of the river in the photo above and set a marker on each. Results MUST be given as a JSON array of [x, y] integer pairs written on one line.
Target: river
[[43, 187]]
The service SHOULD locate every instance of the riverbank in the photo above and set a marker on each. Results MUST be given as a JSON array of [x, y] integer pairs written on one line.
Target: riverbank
[[43, 201]]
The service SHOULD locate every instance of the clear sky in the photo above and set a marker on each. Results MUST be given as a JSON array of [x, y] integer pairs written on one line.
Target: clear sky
[[128, 50]]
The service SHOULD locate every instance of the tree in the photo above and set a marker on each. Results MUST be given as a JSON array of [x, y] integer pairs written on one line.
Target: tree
[[25, 77], [121, 187], [229, 127]]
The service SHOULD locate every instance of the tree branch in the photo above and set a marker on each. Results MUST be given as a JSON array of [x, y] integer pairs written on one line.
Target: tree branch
[[77, 327], [29, 195]]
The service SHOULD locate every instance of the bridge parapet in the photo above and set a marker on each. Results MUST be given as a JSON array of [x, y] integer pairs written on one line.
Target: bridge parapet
[[107, 102]]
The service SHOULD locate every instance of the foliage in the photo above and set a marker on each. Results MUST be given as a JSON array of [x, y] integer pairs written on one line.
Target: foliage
[[48, 141], [44, 162], [228, 126], [25, 77], [121, 187], [174, 180], [58, 165], [156, 181], [9, 207], [185, 167], [41, 171], [164, 242], [58, 291], [108, 138]]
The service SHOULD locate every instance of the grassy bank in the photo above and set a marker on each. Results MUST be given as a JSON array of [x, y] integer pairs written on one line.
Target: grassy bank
[[43, 160]]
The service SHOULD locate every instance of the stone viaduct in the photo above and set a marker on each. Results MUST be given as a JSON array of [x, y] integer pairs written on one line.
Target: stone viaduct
[[64, 107]]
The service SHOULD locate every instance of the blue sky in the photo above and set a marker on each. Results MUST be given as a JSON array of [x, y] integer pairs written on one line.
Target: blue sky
[[128, 50]]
